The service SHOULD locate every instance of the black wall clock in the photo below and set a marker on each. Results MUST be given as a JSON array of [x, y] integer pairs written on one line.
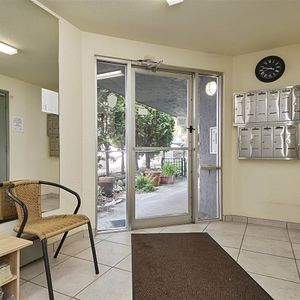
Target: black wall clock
[[270, 68]]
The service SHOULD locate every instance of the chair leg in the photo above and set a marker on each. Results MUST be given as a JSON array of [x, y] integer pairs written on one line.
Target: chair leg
[[60, 244], [47, 269], [93, 248]]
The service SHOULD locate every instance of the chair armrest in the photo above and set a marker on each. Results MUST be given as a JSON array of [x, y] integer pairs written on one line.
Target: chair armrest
[[67, 190], [23, 207]]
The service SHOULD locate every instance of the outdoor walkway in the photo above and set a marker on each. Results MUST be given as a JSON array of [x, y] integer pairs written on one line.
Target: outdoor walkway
[[168, 199]]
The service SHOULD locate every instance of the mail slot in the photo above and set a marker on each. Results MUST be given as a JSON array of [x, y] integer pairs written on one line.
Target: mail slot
[[250, 101], [285, 104], [267, 142], [291, 144], [256, 142], [273, 106], [261, 107], [296, 104], [279, 144], [244, 142], [239, 102]]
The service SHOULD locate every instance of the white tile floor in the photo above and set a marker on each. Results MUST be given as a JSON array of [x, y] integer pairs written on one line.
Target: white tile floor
[[270, 255]]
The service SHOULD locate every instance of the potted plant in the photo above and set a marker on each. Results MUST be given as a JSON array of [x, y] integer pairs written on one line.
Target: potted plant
[[168, 173], [154, 175], [106, 184]]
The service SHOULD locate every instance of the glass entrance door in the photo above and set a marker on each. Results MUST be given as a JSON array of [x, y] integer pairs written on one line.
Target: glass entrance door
[[209, 171], [161, 154]]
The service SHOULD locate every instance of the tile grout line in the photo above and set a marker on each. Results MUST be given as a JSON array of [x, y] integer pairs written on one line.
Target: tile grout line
[[92, 282], [69, 256], [46, 288], [268, 276], [238, 256], [293, 253], [270, 254]]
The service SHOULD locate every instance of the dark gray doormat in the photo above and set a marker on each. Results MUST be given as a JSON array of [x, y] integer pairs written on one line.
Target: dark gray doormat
[[187, 266]]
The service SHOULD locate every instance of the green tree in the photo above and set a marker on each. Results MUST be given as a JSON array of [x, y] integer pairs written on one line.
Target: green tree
[[110, 126], [154, 129]]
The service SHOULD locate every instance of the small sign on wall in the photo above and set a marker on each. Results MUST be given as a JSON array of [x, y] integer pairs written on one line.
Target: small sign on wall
[[213, 140], [17, 124]]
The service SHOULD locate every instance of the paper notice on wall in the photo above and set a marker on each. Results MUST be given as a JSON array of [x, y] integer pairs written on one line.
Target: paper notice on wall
[[49, 102], [213, 138], [17, 124]]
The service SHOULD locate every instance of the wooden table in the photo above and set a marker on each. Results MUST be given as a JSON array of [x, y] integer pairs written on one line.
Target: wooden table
[[10, 252]]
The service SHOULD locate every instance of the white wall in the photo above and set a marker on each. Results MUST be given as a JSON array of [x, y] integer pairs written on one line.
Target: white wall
[[93, 44], [28, 150], [71, 114], [265, 189]]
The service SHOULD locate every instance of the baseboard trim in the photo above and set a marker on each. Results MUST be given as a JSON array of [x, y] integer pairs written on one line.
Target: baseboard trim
[[260, 221]]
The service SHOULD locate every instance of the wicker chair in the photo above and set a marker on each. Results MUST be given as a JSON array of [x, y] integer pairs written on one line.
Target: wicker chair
[[26, 195]]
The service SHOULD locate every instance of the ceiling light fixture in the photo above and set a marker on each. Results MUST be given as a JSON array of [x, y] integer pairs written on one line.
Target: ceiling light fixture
[[8, 49], [112, 74], [174, 2]]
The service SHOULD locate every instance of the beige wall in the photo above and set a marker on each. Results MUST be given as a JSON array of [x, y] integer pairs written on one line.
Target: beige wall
[[265, 189], [28, 150], [70, 82], [93, 44]]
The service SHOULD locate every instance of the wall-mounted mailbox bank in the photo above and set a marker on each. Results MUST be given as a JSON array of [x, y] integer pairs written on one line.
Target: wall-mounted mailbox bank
[[267, 106], [274, 141]]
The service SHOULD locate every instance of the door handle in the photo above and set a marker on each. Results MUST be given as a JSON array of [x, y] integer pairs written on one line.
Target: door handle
[[208, 167]]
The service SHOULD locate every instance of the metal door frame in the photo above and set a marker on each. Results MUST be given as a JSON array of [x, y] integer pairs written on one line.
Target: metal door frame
[[161, 220], [6, 104], [218, 166], [194, 186]]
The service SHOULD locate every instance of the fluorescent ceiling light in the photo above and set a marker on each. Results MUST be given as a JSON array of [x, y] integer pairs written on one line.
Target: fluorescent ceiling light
[[8, 49], [174, 2], [112, 74]]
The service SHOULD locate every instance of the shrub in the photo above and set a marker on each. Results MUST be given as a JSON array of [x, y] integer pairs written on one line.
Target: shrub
[[168, 170], [144, 184]]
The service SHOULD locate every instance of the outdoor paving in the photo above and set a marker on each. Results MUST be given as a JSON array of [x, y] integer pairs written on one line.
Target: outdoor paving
[[169, 199]]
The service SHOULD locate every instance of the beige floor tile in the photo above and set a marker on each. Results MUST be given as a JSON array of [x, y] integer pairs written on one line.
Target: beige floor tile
[[227, 239], [233, 252], [185, 228], [149, 230], [76, 247], [295, 235], [37, 267], [113, 285], [296, 248], [71, 276], [278, 289], [108, 253], [272, 233], [120, 237], [125, 264], [265, 264], [227, 227], [267, 246], [30, 291], [22, 281], [101, 236]]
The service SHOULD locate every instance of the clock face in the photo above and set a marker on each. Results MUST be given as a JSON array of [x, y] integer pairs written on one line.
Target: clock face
[[269, 69]]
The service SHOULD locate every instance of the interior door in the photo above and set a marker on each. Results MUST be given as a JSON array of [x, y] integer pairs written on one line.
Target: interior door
[[3, 137], [162, 145]]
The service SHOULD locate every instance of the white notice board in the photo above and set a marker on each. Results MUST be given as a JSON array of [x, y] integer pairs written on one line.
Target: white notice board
[[213, 140]]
